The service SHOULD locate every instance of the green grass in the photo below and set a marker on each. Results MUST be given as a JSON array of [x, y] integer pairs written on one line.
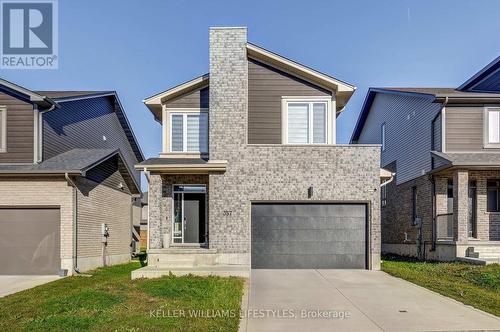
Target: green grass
[[110, 301], [478, 286]]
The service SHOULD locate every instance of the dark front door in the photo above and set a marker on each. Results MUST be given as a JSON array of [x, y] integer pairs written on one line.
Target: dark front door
[[472, 210], [309, 236], [194, 218]]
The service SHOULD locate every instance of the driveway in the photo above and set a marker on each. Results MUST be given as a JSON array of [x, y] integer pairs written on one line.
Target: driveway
[[14, 284], [367, 301]]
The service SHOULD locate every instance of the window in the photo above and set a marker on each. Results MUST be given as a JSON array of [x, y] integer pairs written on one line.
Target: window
[[189, 132], [449, 195], [493, 188], [383, 195], [492, 127], [307, 122], [413, 205], [3, 129], [382, 136]]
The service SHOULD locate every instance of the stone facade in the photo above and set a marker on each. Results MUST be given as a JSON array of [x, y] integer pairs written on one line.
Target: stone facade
[[256, 173], [396, 215]]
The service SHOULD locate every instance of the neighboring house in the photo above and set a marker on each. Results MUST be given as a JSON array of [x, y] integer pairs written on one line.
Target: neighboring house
[[443, 144], [144, 222], [66, 169], [250, 173]]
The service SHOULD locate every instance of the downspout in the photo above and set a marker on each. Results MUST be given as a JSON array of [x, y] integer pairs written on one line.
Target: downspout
[[75, 222], [433, 184]]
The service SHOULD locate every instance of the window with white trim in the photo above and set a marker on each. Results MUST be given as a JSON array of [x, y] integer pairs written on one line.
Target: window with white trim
[[3, 129], [189, 132], [307, 122], [382, 136], [493, 126]]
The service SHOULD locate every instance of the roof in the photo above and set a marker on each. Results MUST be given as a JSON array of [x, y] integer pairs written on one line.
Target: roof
[[469, 158], [26, 95], [342, 89], [485, 80], [182, 165], [47, 99], [435, 95], [74, 162]]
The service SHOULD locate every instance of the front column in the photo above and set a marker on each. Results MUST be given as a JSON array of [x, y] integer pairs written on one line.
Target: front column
[[154, 208], [460, 205]]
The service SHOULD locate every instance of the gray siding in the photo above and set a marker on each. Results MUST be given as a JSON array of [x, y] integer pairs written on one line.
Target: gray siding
[[266, 86], [193, 99], [84, 124], [108, 174], [464, 128], [437, 134], [19, 130], [408, 132]]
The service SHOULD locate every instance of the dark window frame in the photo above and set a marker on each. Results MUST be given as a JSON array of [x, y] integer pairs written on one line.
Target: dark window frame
[[383, 137], [414, 200], [493, 186]]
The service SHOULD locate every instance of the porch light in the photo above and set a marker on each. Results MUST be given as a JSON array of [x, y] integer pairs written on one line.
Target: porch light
[[310, 192]]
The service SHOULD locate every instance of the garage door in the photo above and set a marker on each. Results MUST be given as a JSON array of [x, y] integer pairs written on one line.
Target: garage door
[[29, 241], [308, 236]]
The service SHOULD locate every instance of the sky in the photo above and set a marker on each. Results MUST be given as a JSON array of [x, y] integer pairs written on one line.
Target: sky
[[139, 48]]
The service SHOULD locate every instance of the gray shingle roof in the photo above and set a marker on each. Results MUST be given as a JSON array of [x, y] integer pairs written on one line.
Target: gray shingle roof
[[470, 158], [445, 92], [69, 94], [72, 161]]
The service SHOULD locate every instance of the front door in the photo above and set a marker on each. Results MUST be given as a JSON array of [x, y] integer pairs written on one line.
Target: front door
[[471, 225], [189, 217]]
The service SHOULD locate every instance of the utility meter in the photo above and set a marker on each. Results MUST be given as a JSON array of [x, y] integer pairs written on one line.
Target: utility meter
[[104, 233]]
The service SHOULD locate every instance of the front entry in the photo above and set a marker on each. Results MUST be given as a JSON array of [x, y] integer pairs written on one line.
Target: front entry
[[472, 220], [189, 214]]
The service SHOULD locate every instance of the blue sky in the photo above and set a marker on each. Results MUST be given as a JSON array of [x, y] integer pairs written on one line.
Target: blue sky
[[139, 48]]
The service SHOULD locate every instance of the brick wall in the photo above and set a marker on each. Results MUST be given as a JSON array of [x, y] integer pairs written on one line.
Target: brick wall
[[99, 204]]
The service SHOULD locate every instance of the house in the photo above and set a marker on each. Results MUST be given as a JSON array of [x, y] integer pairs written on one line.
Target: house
[[67, 180], [442, 143], [250, 174], [143, 228]]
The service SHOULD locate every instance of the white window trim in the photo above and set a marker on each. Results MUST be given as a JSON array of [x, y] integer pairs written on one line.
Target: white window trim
[[3, 143], [486, 136], [330, 118], [167, 133], [383, 136]]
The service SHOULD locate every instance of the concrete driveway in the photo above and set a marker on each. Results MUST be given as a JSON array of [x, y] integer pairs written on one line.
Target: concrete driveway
[[368, 301], [14, 284]]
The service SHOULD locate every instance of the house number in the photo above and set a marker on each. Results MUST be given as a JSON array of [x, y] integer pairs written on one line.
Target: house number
[[227, 213]]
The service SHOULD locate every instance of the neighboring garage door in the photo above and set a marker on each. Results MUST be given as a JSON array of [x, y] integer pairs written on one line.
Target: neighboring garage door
[[29, 241], [308, 236]]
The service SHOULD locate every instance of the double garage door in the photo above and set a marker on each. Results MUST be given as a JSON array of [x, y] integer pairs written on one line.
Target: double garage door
[[29, 241], [309, 236]]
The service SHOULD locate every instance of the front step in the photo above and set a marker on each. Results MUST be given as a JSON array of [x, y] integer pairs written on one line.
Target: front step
[[218, 270], [482, 254], [181, 257]]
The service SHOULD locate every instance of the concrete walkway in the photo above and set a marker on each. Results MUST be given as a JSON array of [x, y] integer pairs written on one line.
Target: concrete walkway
[[13, 284], [368, 301]]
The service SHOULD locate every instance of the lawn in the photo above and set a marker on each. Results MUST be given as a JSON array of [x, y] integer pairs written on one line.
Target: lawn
[[478, 286], [110, 301]]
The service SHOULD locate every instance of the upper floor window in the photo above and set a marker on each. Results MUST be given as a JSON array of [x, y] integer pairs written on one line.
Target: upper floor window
[[492, 134], [3, 129], [307, 121], [189, 132], [382, 136]]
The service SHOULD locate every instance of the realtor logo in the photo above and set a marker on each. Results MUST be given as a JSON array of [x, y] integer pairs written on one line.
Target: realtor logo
[[29, 34]]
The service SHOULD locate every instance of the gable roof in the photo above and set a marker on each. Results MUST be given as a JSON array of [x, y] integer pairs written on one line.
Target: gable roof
[[485, 80], [26, 95], [47, 100], [343, 90], [435, 95], [74, 162]]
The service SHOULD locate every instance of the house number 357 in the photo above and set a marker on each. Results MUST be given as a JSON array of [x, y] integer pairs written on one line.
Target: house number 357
[[227, 213]]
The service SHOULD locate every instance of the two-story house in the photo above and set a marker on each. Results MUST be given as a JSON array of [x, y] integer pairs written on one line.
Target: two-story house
[[250, 174], [443, 144], [67, 180]]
